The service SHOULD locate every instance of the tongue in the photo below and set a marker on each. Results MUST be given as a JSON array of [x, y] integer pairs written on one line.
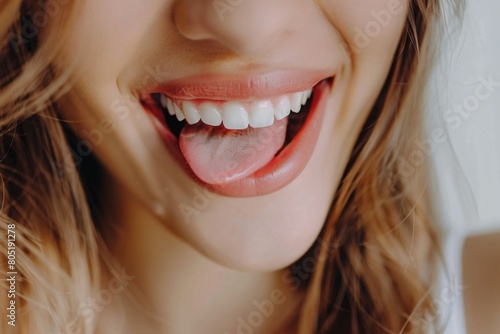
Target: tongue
[[217, 155]]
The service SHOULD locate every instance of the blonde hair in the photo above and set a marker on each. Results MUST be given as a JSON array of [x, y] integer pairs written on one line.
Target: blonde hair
[[376, 280], [56, 246]]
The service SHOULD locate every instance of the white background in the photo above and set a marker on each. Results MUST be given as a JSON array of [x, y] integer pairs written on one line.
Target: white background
[[468, 164]]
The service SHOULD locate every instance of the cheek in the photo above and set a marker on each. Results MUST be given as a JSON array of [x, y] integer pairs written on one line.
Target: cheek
[[105, 36], [370, 32], [370, 29], [103, 39]]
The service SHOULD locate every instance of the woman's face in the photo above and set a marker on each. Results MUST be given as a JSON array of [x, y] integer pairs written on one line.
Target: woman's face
[[238, 179]]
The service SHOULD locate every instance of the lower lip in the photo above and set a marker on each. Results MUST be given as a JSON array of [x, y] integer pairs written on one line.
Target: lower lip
[[278, 173]]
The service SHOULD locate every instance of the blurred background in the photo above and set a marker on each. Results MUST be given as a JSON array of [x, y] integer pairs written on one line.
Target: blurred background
[[464, 102]]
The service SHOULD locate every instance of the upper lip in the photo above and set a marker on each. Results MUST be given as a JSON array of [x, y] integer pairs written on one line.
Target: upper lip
[[227, 86]]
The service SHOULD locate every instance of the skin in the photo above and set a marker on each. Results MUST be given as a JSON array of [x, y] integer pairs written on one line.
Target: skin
[[481, 293], [233, 250]]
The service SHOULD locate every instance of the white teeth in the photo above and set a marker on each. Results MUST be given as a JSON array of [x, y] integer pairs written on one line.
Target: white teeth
[[210, 115], [164, 101], [178, 113], [296, 102], [191, 113], [304, 98], [261, 114], [236, 115], [282, 108], [170, 106]]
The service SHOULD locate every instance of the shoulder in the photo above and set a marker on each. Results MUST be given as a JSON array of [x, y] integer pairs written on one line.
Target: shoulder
[[481, 280]]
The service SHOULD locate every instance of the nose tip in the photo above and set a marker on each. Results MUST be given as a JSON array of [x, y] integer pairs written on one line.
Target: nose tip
[[246, 27]]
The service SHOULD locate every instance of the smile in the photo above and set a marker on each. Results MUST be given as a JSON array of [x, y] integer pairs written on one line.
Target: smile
[[235, 138], [234, 115]]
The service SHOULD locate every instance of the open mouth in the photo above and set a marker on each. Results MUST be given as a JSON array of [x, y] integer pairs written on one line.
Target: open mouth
[[236, 116], [241, 147]]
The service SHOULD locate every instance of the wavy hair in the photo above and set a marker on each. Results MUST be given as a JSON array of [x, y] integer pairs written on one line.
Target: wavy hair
[[380, 226]]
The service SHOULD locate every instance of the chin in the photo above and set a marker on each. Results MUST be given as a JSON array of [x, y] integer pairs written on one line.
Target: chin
[[262, 233]]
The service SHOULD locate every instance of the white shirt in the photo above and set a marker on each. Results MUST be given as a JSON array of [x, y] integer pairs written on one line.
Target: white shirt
[[448, 297]]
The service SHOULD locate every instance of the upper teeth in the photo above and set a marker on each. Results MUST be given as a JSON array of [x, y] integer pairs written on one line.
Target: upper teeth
[[236, 115]]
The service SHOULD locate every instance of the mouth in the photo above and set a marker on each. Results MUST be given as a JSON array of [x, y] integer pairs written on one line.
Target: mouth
[[240, 143]]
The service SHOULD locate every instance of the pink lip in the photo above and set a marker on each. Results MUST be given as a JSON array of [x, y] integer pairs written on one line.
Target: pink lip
[[282, 170], [234, 86]]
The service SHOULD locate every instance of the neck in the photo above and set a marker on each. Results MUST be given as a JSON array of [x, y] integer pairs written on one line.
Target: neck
[[182, 291]]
